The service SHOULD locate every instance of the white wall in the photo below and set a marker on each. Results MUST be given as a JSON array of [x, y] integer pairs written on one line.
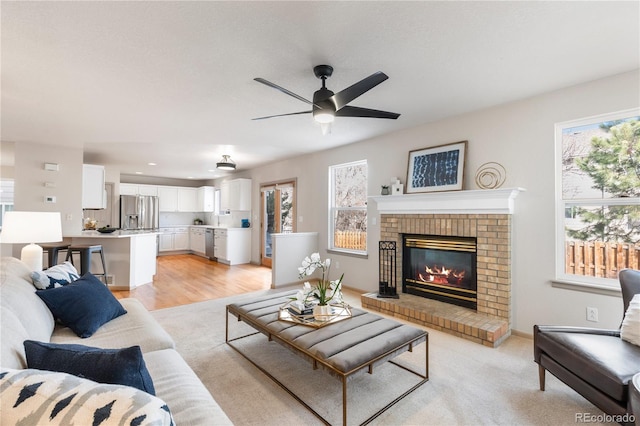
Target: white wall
[[30, 177], [520, 136]]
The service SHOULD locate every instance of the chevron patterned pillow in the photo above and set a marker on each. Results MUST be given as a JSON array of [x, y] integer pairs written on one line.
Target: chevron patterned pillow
[[36, 397]]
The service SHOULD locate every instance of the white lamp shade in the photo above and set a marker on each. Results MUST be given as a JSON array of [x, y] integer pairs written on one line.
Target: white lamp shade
[[31, 227]]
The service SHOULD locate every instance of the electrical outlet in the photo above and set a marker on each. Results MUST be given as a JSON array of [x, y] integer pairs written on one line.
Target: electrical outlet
[[337, 265], [592, 314]]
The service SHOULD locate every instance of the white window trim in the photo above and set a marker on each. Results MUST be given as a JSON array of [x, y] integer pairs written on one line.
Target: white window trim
[[331, 247], [563, 279]]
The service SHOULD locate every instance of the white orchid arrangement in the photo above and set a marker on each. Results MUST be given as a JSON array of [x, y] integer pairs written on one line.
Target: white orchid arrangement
[[325, 290]]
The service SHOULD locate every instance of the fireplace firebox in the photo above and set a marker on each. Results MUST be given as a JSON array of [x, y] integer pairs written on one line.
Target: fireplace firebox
[[441, 268]]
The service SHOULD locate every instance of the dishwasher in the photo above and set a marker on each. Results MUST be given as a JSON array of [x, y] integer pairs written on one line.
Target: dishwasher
[[209, 244]]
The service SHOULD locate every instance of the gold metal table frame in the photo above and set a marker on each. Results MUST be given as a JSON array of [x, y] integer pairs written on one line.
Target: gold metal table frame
[[369, 364]]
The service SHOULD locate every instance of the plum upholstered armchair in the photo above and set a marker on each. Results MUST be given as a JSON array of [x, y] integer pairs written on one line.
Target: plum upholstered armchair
[[596, 363]]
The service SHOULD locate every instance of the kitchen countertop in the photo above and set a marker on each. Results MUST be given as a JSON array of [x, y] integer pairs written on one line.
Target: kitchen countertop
[[203, 226], [115, 234]]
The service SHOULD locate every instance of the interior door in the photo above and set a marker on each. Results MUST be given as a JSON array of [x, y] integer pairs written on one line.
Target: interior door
[[277, 215]]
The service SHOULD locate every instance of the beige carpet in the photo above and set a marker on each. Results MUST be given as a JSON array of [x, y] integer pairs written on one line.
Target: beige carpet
[[469, 384]]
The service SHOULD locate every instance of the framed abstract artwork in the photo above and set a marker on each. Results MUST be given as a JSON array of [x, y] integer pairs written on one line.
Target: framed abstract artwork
[[438, 168]]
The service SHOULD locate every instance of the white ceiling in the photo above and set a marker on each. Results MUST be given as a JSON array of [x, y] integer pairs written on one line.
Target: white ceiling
[[172, 82]]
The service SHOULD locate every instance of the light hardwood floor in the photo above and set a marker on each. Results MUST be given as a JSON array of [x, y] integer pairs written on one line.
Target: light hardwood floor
[[185, 278]]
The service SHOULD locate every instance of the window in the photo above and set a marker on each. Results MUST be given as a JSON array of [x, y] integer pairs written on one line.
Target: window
[[348, 207], [6, 197], [598, 206]]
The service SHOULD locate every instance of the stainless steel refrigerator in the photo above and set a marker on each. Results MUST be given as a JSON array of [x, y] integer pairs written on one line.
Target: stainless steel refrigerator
[[139, 212]]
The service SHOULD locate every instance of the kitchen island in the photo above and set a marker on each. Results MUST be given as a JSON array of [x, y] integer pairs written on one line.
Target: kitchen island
[[130, 256]]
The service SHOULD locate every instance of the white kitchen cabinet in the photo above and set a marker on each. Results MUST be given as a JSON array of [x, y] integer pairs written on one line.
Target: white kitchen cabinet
[[168, 198], [135, 189], [177, 199], [220, 245], [172, 239], [165, 242], [232, 246], [93, 192], [128, 189], [181, 239], [205, 199], [187, 199], [235, 195], [148, 190], [197, 240]]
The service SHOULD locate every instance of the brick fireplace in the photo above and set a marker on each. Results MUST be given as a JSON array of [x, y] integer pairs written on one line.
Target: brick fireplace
[[485, 215]]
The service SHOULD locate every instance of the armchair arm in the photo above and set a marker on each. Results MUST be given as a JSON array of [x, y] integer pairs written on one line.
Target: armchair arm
[[539, 330], [568, 329]]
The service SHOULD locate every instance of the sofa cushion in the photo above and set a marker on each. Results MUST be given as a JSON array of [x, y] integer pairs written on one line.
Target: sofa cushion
[[35, 397], [605, 361], [18, 296], [56, 276], [113, 366], [138, 327], [84, 305], [177, 385], [12, 334], [630, 329]]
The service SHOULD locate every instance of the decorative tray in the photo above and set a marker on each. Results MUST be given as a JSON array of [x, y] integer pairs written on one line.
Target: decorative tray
[[339, 312]]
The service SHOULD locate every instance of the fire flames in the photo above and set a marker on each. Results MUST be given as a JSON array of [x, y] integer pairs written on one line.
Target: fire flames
[[441, 275]]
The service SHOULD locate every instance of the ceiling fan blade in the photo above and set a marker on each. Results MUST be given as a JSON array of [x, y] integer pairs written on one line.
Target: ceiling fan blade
[[282, 115], [345, 96], [283, 90], [351, 111]]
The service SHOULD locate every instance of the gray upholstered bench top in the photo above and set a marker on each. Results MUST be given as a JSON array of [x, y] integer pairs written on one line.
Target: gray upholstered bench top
[[348, 345]]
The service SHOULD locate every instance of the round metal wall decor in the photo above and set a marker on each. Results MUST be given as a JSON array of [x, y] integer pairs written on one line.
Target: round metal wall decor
[[490, 176]]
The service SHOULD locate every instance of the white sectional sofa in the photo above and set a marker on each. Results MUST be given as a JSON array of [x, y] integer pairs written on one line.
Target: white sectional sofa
[[24, 316]]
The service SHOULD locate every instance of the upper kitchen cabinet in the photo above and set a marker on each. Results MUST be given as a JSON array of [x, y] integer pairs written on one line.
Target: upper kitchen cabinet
[[187, 199], [235, 194], [148, 190], [135, 189], [128, 189], [206, 199], [93, 192], [168, 198], [178, 199]]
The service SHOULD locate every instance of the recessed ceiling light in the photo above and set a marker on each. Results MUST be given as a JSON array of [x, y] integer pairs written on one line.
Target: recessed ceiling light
[[189, 177], [211, 170], [138, 173], [152, 164]]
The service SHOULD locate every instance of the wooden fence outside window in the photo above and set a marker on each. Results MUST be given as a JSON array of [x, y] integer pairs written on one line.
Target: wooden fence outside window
[[600, 259], [352, 240]]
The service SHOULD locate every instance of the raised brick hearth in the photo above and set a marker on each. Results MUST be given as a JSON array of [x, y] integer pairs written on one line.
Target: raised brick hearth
[[490, 225]]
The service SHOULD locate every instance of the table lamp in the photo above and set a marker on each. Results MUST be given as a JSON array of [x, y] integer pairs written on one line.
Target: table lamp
[[31, 227]]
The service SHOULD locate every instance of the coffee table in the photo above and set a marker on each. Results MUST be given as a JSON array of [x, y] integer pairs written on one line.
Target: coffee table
[[344, 348]]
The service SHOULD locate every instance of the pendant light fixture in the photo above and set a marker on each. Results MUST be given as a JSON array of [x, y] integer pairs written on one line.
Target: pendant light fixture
[[226, 163]]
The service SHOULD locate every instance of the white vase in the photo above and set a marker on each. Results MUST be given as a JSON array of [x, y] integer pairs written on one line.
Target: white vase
[[322, 312]]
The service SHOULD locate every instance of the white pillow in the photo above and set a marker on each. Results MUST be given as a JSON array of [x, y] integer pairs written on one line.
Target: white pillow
[[56, 276], [630, 330], [38, 397]]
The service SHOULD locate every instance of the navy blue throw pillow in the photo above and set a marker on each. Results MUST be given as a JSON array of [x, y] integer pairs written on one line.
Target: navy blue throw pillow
[[83, 305], [111, 366]]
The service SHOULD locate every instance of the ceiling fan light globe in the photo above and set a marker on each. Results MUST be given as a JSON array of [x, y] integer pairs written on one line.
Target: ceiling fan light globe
[[323, 117]]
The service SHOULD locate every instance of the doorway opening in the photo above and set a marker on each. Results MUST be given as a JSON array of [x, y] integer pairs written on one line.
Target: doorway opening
[[278, 213]]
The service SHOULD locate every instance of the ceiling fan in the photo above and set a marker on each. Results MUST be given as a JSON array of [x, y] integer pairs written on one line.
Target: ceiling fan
[[327, 105]]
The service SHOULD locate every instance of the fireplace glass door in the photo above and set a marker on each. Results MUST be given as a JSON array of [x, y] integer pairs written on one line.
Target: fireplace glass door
[[440, 268]]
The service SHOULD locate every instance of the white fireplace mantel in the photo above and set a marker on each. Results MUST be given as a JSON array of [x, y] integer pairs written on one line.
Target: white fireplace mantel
[[482, 201]]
